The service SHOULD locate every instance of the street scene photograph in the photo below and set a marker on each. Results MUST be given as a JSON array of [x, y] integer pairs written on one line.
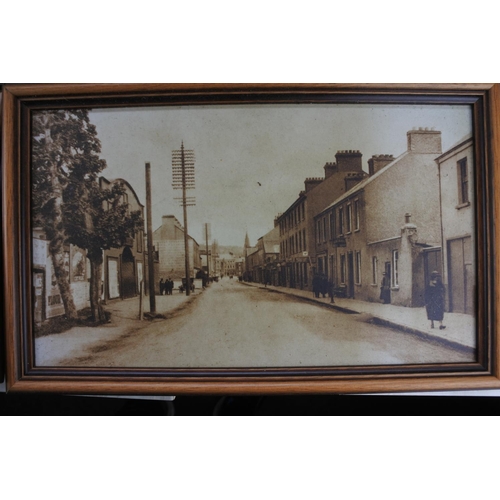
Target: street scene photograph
[[253, 236]]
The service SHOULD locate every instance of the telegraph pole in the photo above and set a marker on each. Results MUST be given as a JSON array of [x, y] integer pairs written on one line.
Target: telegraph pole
[[183, 178], [151, 262], [207, 229]]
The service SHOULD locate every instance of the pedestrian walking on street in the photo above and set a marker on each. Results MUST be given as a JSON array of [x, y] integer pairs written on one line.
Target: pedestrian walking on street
[[434, 300], [316, 283], [323, 285], [331, 291], [161, 286], [385, 289]]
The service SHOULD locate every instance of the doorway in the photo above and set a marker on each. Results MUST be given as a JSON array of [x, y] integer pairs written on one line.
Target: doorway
[[129, 285], [386, 283], [460, 276]]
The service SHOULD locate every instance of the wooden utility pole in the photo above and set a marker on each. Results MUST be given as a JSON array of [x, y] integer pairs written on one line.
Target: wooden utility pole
[[183, 178], [151, 261], [206, 246]]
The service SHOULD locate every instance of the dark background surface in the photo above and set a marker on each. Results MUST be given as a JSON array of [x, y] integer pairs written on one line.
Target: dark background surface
[[43, 404]]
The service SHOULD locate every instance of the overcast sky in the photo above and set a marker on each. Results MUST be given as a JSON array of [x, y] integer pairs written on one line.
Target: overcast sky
[[251, 161]]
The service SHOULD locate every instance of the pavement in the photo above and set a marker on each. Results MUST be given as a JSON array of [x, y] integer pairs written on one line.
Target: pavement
[[128, 309], [460, 331], [55, 348]]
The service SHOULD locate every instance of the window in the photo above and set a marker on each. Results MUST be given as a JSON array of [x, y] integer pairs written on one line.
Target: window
[[324, 229], [332, 225], [318, 231], [304, 239], [463, 182], [348, 218], [342, 269], [395, 269], [356, 215], [341, 220], [358, 268], [374, 270]]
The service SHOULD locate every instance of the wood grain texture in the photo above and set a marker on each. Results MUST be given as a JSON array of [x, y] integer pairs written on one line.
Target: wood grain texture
[[21, 378], [2, 331], [494, 140], [261, 386], [108, 89], [10, 236]]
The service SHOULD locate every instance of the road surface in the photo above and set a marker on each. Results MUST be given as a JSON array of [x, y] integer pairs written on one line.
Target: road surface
[[234, 325]]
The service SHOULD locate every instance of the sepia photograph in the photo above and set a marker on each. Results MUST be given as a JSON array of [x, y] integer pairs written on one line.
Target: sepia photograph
[[253, 235]]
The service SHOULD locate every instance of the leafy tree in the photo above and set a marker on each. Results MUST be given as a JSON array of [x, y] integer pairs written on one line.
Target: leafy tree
[[68, 202], [97, 219], [62, 141]]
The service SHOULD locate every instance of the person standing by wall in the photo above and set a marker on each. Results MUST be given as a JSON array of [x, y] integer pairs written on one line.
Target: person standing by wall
[[385, 289], [316, 285], [434, 300]]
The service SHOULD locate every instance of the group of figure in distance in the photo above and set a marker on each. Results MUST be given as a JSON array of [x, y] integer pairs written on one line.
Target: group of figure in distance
[[166, 286], [322, 285]]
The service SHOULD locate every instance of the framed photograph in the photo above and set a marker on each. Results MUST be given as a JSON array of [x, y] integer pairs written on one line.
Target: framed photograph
[[250, 239]]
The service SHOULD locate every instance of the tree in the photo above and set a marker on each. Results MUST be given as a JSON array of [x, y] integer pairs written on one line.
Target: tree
[[68, 202], [98, 219], [62, 141]]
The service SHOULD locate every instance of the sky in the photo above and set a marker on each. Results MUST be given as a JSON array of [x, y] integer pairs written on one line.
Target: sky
[[251, 161]]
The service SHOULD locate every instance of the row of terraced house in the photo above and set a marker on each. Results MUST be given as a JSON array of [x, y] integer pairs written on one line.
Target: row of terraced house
[[406, 216]]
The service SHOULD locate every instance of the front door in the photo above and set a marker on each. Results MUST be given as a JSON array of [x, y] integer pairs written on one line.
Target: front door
[[460, 276], [387, 283]]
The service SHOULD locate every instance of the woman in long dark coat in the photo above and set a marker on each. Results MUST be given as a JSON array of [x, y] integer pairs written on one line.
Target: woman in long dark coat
[[385, 289], [434, 300], [316, 283]]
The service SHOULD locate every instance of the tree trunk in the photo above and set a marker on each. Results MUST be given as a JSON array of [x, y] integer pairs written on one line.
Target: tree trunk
[[57, 253], [56, 248], [95, 259]]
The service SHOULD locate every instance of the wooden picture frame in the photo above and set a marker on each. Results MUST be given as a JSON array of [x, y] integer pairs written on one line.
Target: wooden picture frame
[[20, 101]]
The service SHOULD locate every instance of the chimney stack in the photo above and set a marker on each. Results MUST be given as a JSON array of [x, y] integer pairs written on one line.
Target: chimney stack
[[424, 140], [349, 161], [378, 162], [312, 182], [330, 168]]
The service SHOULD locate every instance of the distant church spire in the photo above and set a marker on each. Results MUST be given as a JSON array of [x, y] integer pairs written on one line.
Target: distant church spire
[[247, 241]]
